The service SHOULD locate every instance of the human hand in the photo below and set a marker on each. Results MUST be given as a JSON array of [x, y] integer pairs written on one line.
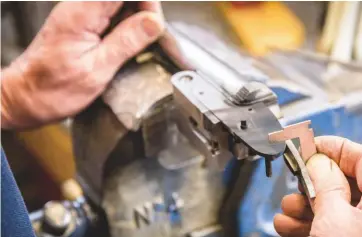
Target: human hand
[[68, 64], [336, 172]]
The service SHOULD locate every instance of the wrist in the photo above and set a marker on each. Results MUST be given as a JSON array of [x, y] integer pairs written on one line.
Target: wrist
[[5, 115], [14, 100]]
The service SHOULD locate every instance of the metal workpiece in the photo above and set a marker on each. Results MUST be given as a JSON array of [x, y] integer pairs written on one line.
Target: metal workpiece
[[215, 116], [296, 161], [188, 54], [254, 92], [297, 166], [299, 130]]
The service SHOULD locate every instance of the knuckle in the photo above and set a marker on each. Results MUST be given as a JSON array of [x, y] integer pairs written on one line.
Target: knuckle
[[125, 48], [129, 45], [277, 223]]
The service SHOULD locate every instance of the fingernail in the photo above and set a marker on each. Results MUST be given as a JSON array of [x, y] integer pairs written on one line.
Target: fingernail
[[151, 26]]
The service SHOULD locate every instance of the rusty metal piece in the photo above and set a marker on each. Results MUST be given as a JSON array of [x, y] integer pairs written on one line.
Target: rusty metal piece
[[301, 131]]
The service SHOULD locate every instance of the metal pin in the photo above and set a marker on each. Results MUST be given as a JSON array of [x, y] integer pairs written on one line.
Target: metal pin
[[268, 167]]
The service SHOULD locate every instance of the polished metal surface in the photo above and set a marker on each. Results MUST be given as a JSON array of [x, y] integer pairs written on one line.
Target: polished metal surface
[[294, 159], [215, 116], [297, 167], [302, 132]]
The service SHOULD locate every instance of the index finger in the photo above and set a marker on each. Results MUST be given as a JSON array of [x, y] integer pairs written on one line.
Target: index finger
[[347, 154]]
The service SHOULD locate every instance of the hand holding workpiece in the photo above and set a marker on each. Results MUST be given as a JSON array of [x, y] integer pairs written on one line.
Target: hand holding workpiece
[[69, 64], [336, 172]]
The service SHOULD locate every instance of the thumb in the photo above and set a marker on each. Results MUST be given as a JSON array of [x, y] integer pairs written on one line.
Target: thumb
[[331, 186], [128, 38]]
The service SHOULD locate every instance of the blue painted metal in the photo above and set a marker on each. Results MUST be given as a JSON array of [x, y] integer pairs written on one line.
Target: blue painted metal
[[285, 96], [263, 198]]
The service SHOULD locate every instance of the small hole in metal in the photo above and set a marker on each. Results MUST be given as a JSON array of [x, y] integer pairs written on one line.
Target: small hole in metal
[[193, 122], [186, 78], [201, 92], [250, 109]]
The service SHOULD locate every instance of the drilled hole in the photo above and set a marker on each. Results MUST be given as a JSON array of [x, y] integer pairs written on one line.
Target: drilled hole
[[186, 78]]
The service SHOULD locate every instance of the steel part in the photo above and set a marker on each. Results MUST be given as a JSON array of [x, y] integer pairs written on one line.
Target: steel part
[[294, 160], [253, 92], [212, 154], [191, 55], [290, 162], [215, 115], [299, 130], [268, 167], [239, 150], [297, 166]]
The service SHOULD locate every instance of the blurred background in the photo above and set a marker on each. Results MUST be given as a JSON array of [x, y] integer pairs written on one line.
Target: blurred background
[[319, 43]]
